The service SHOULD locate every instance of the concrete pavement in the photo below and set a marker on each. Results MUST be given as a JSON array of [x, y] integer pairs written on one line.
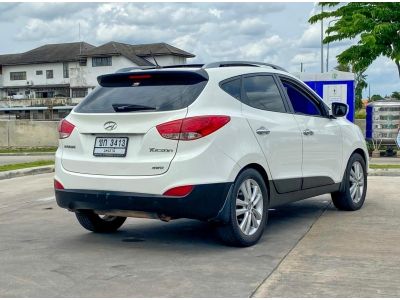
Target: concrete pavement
[[45, 253], [15, 159], [346, 254], [385, 160]]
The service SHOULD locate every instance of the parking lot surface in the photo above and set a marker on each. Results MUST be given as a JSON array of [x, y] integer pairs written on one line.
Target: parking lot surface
[[16, 159], [346, 254], [45, 253]]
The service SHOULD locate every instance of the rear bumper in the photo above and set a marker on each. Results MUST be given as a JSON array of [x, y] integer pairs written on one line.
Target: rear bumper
[[205, 202]]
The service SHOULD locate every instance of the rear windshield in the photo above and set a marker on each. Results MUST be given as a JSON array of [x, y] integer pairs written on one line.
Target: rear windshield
[[139, 92]]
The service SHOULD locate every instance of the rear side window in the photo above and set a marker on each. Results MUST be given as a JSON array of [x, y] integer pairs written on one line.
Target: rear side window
[[135, 92], [262, 92], [233, 88]]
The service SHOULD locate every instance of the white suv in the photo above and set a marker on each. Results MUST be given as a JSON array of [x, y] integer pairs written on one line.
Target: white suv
[[221, 143]]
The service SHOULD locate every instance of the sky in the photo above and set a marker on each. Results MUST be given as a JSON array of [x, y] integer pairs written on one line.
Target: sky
[[272, 32]]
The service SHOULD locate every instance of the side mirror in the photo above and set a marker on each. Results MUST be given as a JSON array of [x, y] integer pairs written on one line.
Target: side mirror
[[339, 109]]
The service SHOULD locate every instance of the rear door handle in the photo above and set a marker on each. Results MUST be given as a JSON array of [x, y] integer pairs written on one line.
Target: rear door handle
[[262, 131], [308, 132]]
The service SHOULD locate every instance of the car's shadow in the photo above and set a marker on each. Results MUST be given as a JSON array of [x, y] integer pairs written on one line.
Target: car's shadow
[[184, 232]]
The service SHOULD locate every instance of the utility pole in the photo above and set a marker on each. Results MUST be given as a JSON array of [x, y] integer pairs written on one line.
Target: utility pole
[[327, 46], [322, 43], [369, 92], [301, 67]]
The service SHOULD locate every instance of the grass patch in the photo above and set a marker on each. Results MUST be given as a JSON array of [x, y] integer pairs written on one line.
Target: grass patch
[[376, 166], [32, 164], [28, 150]]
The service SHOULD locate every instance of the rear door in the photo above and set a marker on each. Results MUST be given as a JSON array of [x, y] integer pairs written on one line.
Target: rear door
[[275, 128], [115, 126]]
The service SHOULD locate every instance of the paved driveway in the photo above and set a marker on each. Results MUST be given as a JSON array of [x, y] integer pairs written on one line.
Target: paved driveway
[[45, 253], [15, 159]]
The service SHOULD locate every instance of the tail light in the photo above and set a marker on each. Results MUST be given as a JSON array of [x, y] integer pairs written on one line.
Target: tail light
[[192, 128], [65, 129], [58, 185], [179, 191]]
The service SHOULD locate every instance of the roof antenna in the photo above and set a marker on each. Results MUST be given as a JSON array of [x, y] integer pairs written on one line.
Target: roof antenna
[[152, 55]]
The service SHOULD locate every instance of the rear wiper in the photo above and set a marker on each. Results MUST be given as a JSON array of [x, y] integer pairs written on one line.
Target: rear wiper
[[131, 107]]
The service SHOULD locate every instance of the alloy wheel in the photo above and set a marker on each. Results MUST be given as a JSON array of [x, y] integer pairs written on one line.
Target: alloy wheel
[[356, 182], [249, 206]]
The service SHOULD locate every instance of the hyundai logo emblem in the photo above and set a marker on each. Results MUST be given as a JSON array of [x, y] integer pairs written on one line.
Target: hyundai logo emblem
[[110, 125]]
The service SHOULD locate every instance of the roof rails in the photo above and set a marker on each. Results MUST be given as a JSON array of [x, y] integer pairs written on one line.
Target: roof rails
[[233, 63], [218, 64]]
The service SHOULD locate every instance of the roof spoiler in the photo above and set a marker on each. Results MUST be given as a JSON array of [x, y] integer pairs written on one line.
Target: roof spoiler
[[137, 76]]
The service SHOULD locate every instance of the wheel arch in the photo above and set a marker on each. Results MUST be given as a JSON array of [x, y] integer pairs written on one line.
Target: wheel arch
[[223, 214], [260, 169], [362, 153]]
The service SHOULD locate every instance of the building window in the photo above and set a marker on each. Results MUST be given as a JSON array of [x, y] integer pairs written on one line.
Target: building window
[[11, 93], [39, 72], [79, 93], [83, 62], [101, 61], [49, 74], [17, 75], [65, 70]]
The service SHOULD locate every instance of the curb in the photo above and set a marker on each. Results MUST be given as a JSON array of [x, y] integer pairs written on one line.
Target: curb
[[26, 172], [383, 172], [28, 154]]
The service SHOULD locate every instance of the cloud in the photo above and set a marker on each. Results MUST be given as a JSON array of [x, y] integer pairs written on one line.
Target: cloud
[[273, 32], [44, 11], [311, 37], [49, 31], [306, 58]]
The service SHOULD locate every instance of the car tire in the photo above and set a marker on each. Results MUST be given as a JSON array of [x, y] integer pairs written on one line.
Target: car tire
[[354, 186], [93, 222], [248, 206]]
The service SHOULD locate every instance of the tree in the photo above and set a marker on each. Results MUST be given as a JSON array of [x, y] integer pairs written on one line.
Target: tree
[[396, 95], [360, 82], [375, 98], [375, 24]]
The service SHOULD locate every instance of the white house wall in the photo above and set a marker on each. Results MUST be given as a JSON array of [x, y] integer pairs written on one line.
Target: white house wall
[[31, 74], [90, 73], [166, 60], [79, 76]]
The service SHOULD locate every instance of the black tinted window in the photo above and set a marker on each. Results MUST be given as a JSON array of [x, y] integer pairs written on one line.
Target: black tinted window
[[262, 92], [233, 88], [301, 103], [127, 93]]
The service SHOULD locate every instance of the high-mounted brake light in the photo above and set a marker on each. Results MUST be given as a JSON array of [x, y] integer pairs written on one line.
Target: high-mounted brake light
[[192, 128], [144, 76], [65, 129], [179, 191], [58, 185]]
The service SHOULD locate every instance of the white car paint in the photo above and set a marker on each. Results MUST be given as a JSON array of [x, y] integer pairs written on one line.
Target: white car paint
[[285, 153]]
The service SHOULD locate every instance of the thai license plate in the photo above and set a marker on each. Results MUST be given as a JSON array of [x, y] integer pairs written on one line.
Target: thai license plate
[[110, 146]]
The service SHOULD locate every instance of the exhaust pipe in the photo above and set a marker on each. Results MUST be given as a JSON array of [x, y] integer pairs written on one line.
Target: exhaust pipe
[[135, 214]]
